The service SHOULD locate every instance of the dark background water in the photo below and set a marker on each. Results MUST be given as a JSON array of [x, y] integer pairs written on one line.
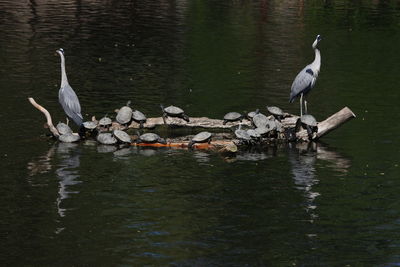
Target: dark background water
[[331, 204]]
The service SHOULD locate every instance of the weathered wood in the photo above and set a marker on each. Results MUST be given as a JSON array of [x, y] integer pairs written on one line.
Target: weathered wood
[[329, 124], [47, 115]]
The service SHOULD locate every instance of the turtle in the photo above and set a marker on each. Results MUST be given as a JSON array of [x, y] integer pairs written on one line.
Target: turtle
[[124, 115], [253, 133], [122, 136], [309, 123], [105, 122], [242, 135], [251, 114], [90, 125], [260, 120], [232, 116], [150, 138], [69, 138], [106, 139], [276, 112], [271, 125], [139, 117], [202, 137], [63, 128], [173, 111], [262, 130]]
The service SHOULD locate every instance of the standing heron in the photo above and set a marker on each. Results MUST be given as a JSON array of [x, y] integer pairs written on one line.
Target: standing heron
[[67, 96], [306, 78]]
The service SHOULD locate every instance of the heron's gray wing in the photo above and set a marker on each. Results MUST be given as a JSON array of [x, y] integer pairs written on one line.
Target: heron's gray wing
[[303, 80], [70, 103]]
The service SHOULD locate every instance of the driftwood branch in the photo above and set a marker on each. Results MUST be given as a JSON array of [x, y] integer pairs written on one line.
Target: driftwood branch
[[47, 115], [329, 124]]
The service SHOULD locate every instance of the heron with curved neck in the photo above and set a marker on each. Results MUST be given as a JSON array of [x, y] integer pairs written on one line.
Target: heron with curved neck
[[306, 78], [67, 96]]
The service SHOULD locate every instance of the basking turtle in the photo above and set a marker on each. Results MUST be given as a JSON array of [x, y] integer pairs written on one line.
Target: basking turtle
[[232, 116], [202, 137], [122, 136], [251, 114], [262, 130], [150, 138], [253, 133], [106, 139], [105, 122], [309, 123], [172, 111], [271, 125], [90, 125], [69, 138], [124, 115], [242, 135], [139, 117], [260, 120], [276, 112], [63, 128]]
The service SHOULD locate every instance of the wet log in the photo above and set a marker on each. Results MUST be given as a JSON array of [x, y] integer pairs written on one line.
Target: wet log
[[49, 121], [329, 124]]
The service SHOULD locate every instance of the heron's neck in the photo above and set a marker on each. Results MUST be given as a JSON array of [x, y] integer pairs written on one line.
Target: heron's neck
[[64, 79], [316, 64]]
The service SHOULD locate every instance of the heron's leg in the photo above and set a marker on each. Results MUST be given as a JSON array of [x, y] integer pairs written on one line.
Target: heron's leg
[[305, 105], [301, 105], [67, 120]]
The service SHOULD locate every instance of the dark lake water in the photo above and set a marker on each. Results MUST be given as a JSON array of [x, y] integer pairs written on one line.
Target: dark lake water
[[334, 203]]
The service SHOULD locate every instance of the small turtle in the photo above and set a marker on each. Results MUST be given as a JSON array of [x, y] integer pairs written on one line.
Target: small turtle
[[251, 114], [106, 139], [105, 122], [262, 130], [271, 125], [124, 115], [276, 112], [122, 136], [202, 137], [172, 111], [90, 125], [308, 122], [69, 138], [232, 116], [260, 120], [242, 135], [139, 117], [150, 138], [253, 133], [63, 128]]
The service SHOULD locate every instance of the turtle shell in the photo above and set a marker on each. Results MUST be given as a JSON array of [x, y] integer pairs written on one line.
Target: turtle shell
[[124, 115], [260, 120], [275, 111], [232, 116], [105, 121], [262, 130], [251, 114], [122, 136], [253, 133], [138, 116], [149, 137], [202, 137], [309, 120], [69, 138], [172, 110], [90, 125], [242, 134], [106, 139], [63, 128]]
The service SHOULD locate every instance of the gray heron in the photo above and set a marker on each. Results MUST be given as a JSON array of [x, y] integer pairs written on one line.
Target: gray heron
[[306, 78], [67, 96]]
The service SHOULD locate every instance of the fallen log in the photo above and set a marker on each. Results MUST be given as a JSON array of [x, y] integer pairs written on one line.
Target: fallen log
[[225, 142], [49, 121]]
